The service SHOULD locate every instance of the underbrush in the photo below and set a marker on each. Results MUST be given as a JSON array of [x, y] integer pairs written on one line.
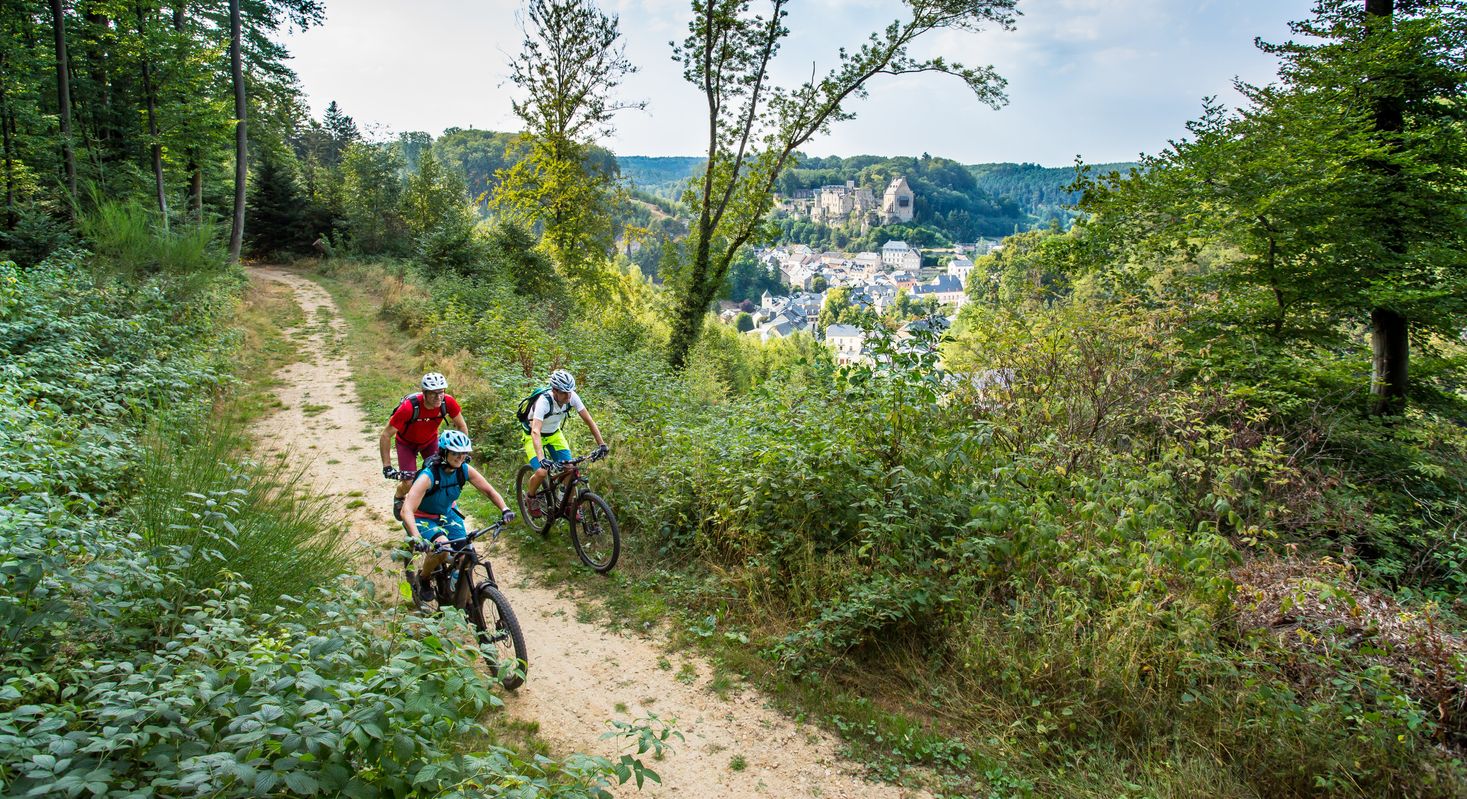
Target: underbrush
[[173, 619], [1029, 571]]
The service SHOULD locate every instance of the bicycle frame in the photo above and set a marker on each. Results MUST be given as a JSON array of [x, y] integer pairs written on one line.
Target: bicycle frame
[[572, 479], [462, 560]]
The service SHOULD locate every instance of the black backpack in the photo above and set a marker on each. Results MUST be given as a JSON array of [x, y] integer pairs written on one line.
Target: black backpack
[[523, 412], [416, 398]]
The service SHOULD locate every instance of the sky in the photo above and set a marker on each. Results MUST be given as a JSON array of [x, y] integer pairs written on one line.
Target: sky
[[1104, 80]]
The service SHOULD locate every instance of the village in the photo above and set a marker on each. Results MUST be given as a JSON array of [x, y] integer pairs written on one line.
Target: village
[[871, 280]]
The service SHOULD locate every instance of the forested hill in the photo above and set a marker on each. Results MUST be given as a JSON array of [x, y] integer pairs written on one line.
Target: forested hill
[[659, 174], [962, 201], [1041, 191]]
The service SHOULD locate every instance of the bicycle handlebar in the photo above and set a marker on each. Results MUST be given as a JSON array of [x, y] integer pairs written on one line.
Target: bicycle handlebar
[[457, 545], [558, 466]]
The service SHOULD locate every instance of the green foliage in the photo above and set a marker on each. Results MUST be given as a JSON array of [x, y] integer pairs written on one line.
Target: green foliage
[[131, 240], [209, 641], [839, 310], [437, 213], [372, 194], [1045, 194], [748, 279], [269, 535], [276, 213]]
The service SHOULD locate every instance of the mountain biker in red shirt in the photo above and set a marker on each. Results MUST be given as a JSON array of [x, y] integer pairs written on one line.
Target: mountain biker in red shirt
[[414, 429]]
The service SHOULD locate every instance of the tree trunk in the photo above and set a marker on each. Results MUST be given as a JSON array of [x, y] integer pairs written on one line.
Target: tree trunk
[[241, 149], [1390, 345], [99, 106], [195, 186], [156, 144], [194, 167], [9, 144], [1389, 339], [63, 104]]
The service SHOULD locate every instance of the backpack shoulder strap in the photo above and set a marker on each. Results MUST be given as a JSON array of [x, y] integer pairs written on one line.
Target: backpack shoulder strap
[[417, 402], [527, 404]]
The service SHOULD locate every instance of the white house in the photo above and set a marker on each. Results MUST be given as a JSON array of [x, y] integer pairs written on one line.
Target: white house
[[960, 267], [898, 255], [848, 343], [946, 288], [898, 203]]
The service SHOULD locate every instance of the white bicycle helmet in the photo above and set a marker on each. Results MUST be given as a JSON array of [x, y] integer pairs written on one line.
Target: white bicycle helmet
[[434, 382], [561, 380], [454, 441]]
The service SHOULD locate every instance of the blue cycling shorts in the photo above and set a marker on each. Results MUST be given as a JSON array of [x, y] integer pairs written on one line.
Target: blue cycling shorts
[[451, 525]]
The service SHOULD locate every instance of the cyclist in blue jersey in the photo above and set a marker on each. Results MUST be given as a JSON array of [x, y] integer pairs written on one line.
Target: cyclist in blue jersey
[[430, 508]]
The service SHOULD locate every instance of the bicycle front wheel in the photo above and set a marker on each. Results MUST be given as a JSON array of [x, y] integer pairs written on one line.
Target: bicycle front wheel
[[595, 533], [499, 633], [539, 524]]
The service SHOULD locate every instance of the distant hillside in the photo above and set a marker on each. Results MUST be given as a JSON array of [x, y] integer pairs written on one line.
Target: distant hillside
[[659, 174], [1039, 190], [961, 202]]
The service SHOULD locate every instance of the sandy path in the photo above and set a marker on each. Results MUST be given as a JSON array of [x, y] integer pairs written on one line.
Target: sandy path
[[579, 672]]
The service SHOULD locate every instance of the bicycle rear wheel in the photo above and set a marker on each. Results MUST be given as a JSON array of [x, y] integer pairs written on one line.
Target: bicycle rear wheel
[[595, 533], [499, 632], [541, 524]]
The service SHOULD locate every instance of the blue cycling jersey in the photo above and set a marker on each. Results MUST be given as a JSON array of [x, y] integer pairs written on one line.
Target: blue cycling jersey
[[443, 490]]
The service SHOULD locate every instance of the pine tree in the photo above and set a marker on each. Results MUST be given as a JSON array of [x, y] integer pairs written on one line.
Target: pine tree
[[275, 212], [343, 131]]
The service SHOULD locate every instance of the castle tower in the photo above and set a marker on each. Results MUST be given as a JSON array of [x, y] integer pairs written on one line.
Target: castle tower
[[898, 203]]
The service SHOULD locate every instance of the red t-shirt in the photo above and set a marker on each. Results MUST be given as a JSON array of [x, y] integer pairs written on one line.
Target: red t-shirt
[[425, 429]]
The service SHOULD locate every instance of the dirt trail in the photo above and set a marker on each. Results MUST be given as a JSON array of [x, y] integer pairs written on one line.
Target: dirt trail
[[579, 672]]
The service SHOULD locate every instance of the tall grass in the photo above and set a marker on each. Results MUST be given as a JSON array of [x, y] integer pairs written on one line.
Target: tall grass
[[131, 239], [234, 516]]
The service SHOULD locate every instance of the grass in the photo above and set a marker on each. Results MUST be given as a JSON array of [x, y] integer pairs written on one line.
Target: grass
[[737, 763], [265, 312], [197, 491], [925, 729]]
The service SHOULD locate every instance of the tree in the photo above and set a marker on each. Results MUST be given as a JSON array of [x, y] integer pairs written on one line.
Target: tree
[[569, 66], [241, 139], [341, 131], [275, 213], [839, 309], [435, 209], [150, 100], [63, 100], [372, 194], [744, 322], [1342, 189], [755, 127]]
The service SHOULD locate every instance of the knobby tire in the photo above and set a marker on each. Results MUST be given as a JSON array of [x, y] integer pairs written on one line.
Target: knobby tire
[[594, 531], [522, 498], [494, 619]]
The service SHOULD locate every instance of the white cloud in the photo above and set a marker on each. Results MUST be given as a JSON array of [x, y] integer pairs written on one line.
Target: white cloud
[[1106, 78]]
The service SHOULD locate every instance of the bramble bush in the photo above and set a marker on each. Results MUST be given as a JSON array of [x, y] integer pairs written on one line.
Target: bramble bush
[[173, 620], [1044, 535]]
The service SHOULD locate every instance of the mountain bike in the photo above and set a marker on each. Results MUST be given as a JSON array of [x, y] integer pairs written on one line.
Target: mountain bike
[[593, 528], [466, 581]]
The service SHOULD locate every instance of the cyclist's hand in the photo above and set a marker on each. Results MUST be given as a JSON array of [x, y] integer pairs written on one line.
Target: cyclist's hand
[[506, 516], [602, 451], [389, 472]]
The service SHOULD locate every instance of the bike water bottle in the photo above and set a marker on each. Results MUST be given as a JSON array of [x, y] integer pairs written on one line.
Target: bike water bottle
[[453, 583]]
